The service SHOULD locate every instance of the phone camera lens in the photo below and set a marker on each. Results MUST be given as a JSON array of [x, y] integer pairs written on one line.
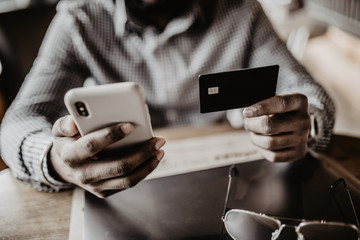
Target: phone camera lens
[[81, 109]]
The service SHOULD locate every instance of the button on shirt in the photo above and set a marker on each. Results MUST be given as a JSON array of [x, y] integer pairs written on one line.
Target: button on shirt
[[95, 39]]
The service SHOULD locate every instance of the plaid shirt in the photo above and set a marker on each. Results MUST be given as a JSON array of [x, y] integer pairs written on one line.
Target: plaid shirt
[[95, 39]]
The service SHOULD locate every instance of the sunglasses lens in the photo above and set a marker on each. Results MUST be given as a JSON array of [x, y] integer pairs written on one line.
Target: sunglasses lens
[[319, 231], [243, 225]]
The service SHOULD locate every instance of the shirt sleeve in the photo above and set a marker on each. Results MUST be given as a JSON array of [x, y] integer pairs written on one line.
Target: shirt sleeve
[[26, 127], [268, 49]]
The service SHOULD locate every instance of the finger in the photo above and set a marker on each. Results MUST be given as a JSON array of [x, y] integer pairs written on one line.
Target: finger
[[94, 142], [279, 123], [113, 185], [281, 141], [105, 193], [65, 127], [277, 104], [105, 169], [284, 155]]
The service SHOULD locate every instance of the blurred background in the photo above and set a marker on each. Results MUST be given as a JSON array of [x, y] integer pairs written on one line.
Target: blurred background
[[324, 35]]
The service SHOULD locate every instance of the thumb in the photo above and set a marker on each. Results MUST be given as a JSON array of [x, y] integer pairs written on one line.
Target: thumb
[[65, 127]]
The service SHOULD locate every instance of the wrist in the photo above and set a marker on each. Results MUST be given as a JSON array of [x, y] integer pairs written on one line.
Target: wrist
[[51, 177]]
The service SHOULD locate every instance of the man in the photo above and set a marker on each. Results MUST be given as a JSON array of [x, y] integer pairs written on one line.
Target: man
[[163, 45]]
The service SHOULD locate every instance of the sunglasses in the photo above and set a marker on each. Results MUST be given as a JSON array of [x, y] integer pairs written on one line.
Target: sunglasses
[[246, 225]]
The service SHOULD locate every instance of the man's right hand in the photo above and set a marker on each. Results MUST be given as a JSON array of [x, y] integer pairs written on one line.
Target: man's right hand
[[74, 158]]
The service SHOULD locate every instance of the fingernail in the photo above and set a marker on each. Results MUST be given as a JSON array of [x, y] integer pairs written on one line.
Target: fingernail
[[160, 155], [248, 112], [127, 128], [159, 143]]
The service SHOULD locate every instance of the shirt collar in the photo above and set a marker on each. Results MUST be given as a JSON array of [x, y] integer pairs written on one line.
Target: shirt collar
[[124, 26], [120, 17]]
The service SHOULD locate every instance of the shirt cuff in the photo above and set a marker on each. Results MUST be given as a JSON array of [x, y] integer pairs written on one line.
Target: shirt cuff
[[45, 171], [321, 130]]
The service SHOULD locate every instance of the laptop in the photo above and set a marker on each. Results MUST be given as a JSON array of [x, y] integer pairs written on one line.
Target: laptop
[[190, 205]]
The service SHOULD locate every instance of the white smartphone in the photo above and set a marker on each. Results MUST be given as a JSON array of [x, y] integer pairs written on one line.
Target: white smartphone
[[101, 106]]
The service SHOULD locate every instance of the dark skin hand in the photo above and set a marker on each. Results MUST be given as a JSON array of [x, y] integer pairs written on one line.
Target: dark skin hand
[[80, 160], [279, 127]]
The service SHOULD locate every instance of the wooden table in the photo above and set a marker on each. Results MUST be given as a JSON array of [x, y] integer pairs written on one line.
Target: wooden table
[[28, 214]]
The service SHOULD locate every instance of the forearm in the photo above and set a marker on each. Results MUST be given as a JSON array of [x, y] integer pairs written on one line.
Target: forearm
[[23, 142], [293, 78], [26, 128]]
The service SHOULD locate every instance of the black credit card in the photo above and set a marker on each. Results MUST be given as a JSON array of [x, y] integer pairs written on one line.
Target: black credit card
[[236, 89]]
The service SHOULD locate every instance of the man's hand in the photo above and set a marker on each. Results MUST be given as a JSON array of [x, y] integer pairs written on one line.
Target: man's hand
[[78, 159], [279, 126]]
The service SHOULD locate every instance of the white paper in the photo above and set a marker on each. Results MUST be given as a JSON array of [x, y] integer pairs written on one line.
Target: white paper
[[205, 152]]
